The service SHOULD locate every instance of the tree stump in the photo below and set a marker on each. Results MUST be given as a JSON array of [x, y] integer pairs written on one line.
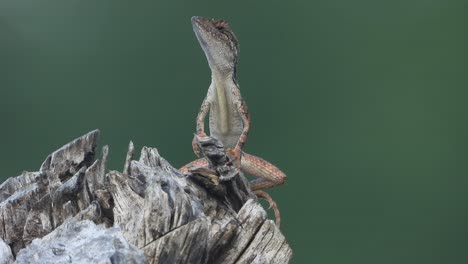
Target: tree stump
[[73, 210]]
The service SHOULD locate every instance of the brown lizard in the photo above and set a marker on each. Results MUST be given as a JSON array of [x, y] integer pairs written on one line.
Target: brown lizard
[[229, 119]]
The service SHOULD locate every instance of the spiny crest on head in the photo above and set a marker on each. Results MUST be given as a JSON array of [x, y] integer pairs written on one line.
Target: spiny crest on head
[[223, 27], [221, 24]]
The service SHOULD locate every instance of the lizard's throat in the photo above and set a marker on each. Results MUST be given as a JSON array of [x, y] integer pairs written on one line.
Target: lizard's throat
[[222, 85]]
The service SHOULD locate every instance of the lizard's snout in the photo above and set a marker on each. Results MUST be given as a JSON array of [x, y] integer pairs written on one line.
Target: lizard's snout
[[195, 19]]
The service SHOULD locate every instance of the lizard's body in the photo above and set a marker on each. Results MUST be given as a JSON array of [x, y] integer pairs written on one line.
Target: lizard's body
[[225, 122], [229, 116]]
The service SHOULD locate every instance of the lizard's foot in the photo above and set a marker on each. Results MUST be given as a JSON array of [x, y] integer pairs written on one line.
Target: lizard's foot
[[194, 164], [207, 173], [272, 203], [235, 155], [195, 147]]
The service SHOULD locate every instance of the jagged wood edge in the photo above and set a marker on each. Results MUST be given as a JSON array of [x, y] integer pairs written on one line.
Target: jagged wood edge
[[170, 216]]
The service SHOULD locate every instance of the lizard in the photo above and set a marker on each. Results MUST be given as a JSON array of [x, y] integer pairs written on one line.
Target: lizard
[[229, 119]]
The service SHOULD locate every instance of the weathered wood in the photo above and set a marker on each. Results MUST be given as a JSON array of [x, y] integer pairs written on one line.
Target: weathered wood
[[208, 216], [81, 242], [6, 257]]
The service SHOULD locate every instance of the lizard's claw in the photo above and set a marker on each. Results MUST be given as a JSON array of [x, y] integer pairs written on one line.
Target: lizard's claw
[[195, 147], [272, 204], [235, 155]]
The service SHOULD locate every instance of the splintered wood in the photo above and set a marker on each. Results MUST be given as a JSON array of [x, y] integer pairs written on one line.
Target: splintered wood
[[149, 213]]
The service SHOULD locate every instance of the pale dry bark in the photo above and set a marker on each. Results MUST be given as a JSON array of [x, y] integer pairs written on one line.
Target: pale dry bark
[[150, 212]]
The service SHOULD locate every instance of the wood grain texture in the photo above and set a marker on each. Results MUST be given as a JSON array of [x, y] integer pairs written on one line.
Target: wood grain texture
[[152, 209]]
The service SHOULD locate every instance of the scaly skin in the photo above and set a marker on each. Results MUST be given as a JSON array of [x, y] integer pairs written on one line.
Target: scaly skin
[[229, 119]]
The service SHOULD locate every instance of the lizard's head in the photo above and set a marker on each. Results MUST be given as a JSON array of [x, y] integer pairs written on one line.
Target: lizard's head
[[217, 41]]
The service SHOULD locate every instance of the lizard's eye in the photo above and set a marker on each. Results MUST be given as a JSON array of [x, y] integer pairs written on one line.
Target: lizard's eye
[[220, 25]]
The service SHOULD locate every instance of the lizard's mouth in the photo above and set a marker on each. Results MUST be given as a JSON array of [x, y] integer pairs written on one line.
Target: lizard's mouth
[[201, 23], [198, 28], [205, 30], [209, 25]]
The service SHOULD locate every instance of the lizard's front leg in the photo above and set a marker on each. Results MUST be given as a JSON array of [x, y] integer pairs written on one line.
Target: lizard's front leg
[[204, 109], [244, 114]]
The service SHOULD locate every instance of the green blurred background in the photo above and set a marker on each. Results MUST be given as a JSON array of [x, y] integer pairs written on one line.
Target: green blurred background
[[362, 104]]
